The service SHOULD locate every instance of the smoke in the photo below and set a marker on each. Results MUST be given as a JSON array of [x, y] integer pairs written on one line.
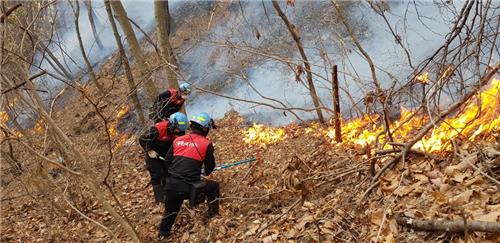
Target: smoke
[[66, 48], [214, 57], [422, 31]]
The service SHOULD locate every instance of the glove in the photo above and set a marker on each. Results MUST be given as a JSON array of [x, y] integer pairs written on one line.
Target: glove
[[152, 154]]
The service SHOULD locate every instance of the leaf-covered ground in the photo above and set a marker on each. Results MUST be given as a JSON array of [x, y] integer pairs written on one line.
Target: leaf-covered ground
[[302, 189]]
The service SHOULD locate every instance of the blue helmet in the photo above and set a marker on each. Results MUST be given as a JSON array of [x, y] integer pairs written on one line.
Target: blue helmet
[[179, 120], [203, 119], [185, 88]]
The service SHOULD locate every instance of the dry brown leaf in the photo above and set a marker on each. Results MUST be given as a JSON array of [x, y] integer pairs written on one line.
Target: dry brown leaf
[[434, 174], [461, 176], [444, 188], [389, 185], [393, 226], [490, 217], [437, 181], [292, 233], [376, 217], [252, 230], [421, 178], [389, 238], [303, 221], [460, 199], [329, 225], [439, 197]]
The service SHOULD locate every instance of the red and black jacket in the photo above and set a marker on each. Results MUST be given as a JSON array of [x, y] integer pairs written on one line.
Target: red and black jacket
[[167, 103], [159, 138], [186, 156]]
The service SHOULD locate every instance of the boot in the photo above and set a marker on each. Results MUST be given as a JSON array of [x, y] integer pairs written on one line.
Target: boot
[[212, 211], [159, 193], [162, 237]]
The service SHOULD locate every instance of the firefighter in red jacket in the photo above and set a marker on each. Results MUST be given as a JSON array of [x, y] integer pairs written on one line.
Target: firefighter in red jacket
[[184, 162], [169, 102], [156, 142]]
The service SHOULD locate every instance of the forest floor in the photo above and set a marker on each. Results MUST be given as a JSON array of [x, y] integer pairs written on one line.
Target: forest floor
[[301, 189]]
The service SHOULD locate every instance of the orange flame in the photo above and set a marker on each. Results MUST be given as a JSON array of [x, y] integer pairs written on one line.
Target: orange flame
[[112, 130], [423, 78], [258, 134], [4, 117], [39, 126], [121, 141], [479, 118]]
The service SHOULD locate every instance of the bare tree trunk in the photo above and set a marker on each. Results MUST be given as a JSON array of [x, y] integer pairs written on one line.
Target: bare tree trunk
[[135, 48], [336, 105], [82, 49], [162, 16], [128, 71], [162, 26], [64, 71], [296, 38], [91, 15]]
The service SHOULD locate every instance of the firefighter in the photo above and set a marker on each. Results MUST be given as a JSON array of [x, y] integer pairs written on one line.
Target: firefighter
[[169, 102], [184, 162], [156, 143]]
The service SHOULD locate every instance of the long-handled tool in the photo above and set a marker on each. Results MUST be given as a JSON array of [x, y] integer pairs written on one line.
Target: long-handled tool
[[220, 167]]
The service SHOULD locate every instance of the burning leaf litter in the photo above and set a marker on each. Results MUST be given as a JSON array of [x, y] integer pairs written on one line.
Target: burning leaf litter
[[260, 134], [479, 118]]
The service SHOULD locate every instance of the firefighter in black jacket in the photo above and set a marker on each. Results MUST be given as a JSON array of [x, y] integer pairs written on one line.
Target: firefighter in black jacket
[[169, 102], [156, 142], [184, 162]]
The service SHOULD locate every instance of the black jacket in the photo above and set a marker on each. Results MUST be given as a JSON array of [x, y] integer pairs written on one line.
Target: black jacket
[[149, 141], [187, 155], [166, 104]]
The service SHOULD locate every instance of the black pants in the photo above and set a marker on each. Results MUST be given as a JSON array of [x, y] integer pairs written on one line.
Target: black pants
[[156, 168], [176, 195]]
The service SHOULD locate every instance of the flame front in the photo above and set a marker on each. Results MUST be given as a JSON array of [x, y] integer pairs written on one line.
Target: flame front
[[112, 126], [259, 134], [113, 131], [480, 116], [4, 117], [478, 119]]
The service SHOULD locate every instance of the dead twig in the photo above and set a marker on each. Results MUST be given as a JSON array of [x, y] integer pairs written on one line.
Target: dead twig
[[428, 127]]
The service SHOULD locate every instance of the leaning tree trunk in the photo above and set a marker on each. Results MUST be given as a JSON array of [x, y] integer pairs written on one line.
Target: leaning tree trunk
[[82, 49], [91, 16], [68, 146], [296, 38], [126, 65], [135, 48]]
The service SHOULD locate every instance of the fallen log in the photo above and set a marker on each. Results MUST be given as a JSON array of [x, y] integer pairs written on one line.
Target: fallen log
[[452, 226]]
